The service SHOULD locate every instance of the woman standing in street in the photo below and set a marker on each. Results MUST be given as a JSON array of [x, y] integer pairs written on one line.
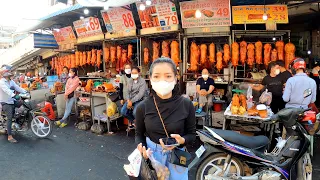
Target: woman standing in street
[[177, 114], [69, 96], [124, 83]]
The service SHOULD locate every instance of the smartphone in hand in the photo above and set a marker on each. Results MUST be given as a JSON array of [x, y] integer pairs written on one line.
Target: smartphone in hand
[[169, 142]]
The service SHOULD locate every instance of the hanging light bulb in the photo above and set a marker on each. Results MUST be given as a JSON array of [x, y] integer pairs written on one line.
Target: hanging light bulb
[[198, 13], [148, 2], [86, 11], [142, 7], [273, 38], [265, 16], [309, 52]]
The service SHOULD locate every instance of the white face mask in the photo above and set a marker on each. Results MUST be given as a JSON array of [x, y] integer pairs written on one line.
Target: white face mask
[[277, 71], [163, 87], [70, 75], [205, 76], [127, 71], [134, 76]]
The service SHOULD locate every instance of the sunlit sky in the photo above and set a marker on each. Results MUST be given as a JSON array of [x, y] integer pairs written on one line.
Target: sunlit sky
[[13, 11]]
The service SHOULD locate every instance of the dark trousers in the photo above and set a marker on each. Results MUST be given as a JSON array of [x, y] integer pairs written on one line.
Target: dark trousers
[[9, 110], [277, 104]]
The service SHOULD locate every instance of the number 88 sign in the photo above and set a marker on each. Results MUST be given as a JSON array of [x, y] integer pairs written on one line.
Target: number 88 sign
[[121, 18]]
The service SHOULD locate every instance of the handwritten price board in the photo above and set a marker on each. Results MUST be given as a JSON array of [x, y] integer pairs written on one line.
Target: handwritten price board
[[88, 27], [254, 14], [160, 13], [213, 13], [119, 18], [64, 35]]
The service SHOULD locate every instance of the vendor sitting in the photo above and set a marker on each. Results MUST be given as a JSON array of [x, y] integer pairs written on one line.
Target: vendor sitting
[[136, 89], [205, 87]]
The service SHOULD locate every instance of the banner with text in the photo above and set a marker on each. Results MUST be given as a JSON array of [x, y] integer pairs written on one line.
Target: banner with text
[[64, 35], [213, 13], [254, 14], [159, 13], [88, 27], [119, 18]]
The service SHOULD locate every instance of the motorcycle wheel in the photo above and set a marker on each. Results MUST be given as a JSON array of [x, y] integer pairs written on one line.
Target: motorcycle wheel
[[214, 164], [41, 126], [305, 172]]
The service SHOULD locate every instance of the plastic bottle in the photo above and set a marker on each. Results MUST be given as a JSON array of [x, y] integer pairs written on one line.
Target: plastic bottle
[[250, 102]]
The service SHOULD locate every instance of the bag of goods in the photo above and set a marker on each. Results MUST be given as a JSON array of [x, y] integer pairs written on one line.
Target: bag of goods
[[98, 128], [84, 126], [163, 172], [266, 98], [112, 109]]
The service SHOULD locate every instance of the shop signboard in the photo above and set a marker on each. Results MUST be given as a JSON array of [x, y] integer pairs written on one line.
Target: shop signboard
[[159, 16], [64, 35], [106, 20], [213, 13], [44, 41], [119, 18], [88, 27], [254, 14]]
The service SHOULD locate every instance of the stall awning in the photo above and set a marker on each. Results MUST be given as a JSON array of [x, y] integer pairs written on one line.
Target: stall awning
[[62, 11]]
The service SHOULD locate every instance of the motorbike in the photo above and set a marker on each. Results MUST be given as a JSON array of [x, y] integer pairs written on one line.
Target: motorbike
[[227, 155], [29, 116]]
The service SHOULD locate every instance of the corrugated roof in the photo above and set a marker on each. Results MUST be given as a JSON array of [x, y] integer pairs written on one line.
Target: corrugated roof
[[62, 11]]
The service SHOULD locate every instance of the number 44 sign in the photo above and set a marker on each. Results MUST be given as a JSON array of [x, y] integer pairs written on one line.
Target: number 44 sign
[[120, 19]]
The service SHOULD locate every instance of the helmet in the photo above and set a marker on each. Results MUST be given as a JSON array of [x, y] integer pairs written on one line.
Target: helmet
[[6, 70], [296, 64]]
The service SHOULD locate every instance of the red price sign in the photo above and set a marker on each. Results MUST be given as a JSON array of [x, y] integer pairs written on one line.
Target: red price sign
[[64, 35], [170, 20], [88, 27], [223, 12], [121, 19]]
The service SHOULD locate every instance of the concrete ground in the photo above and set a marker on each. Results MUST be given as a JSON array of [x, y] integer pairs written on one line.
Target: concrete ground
[[71, 154]]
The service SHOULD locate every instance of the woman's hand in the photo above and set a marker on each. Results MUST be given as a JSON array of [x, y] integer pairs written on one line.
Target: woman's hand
[[129, 104], [167, 148], [65, 97], [121, 102], [178, 138], [145, 153]]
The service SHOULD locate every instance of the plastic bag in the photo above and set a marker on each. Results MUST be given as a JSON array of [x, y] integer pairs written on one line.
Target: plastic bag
[[163, 172], [266, 98], [135, 159]]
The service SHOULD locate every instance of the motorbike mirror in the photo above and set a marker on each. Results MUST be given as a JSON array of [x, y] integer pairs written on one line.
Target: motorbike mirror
[[307, 93]]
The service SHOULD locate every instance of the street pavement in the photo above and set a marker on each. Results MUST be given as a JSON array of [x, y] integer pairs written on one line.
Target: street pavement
[[71, 154]]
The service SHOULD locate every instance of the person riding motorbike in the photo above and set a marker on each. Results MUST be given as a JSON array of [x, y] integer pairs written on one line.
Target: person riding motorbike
[[8, 99], [293, 93]]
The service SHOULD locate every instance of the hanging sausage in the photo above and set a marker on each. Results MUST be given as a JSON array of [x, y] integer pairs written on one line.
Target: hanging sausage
[[235, 54], [267, 54], [146, 55], [124, 56], [165, 49], [94, 57], [258, 48], [84, 58], [130, 51], [226, 53], [73, 61], [290, 50], [243, 52], [194, 57], [203, 54], [106, 54], [80, 59], [175, 52], [219, 61], [280, 49], [212, 53], [250, 54], [274, 55], [77, 59], [99, 58], [89, 56], [119, 52], [155, 50], [113, 52]]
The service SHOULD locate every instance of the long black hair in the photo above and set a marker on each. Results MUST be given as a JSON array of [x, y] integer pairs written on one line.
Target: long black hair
[[75, 71]]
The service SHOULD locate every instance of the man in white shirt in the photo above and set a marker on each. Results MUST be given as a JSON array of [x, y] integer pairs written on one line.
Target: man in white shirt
[[8, 98]]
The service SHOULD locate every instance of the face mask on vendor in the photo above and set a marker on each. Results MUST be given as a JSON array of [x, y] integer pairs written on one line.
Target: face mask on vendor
[[127, 71], [277, 71]]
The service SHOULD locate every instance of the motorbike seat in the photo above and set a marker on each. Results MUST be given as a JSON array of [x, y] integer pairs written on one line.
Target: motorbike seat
[[252, 142]]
